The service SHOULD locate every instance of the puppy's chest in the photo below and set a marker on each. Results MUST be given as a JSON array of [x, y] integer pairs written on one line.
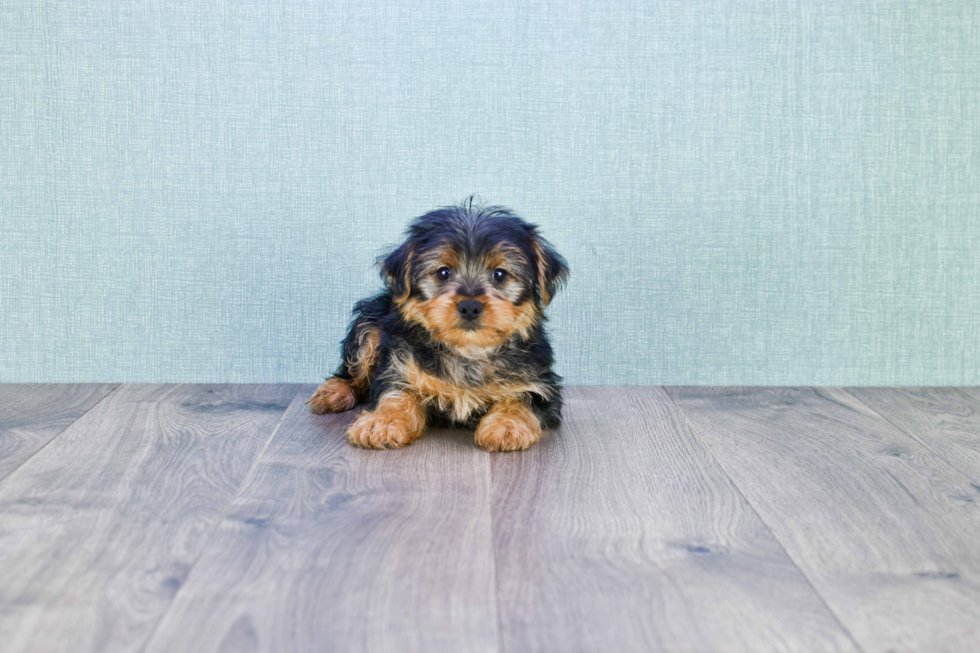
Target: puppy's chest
[[461, 388]]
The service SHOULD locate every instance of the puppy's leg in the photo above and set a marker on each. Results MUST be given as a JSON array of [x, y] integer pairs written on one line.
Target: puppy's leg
[[361, 358], [510, 425], [335, 395], [398, 421], [351, 383]]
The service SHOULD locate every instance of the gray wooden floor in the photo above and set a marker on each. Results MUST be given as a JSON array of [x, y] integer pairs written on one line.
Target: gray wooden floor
[[227, 518]]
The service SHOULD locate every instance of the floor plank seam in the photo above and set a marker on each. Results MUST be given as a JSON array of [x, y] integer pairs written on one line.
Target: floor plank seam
[[493, 557], [789, 557], [58, 435], [217, 526], [911, 436]]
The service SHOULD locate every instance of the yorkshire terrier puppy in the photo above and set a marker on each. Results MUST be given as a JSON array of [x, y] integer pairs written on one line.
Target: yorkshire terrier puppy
[[456, 338]]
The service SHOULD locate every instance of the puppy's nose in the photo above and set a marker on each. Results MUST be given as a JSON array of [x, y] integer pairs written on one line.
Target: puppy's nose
[[469, 309]]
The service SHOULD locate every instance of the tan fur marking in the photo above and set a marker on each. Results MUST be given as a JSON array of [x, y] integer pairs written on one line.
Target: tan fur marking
[[335, 395], [510, 425], [500, 257], [369, 342], [412, 311], [500, 320], [542, 272], [460, 401], [408, 277], [397, 422], [512, 319], [446, 256]]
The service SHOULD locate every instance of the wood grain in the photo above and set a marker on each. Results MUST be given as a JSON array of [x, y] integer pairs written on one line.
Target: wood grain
[[31, 414], [944, 420], [621, 533], [886, 531], [333, 548], [99, 529]]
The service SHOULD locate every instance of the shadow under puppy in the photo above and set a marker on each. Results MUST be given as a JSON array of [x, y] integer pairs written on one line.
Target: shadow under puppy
[[456, 337]]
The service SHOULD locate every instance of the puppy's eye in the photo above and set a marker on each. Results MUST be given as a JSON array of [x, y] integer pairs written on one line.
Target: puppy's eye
[[499, 275], [443, 273]]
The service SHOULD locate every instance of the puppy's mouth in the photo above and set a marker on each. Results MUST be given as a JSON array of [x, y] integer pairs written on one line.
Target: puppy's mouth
[[470, 325]]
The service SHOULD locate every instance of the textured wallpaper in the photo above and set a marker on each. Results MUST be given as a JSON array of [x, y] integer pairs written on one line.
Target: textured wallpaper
[[747, 192]]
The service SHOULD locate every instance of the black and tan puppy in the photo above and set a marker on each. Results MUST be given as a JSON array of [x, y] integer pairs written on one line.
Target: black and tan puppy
[[457, 336]]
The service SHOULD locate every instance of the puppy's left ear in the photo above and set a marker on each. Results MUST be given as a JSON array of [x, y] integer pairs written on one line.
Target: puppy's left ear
[[396, 270], [552, 269]]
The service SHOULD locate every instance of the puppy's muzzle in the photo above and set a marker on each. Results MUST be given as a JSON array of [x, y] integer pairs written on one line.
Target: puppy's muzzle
[[469, 309]]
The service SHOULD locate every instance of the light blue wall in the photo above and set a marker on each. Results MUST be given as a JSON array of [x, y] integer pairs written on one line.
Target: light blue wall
[[747, 192]]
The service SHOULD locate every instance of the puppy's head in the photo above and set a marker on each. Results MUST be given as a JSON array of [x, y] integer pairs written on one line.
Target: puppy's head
[[473, 276]]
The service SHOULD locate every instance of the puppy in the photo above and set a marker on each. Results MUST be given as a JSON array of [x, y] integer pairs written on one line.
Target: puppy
[[456, 338]]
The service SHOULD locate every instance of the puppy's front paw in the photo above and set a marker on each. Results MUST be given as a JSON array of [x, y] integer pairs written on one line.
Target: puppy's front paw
[[509, 426], [334, 396], [382, 430]]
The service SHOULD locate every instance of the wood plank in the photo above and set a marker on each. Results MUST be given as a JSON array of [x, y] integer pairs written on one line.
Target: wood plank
[[332, 548], [99, 529], [886, 531], [31, 414], [621, 533], [945, 420]]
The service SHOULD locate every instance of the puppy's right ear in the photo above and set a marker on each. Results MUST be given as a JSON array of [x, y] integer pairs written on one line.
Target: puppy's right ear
[[396, 270]]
